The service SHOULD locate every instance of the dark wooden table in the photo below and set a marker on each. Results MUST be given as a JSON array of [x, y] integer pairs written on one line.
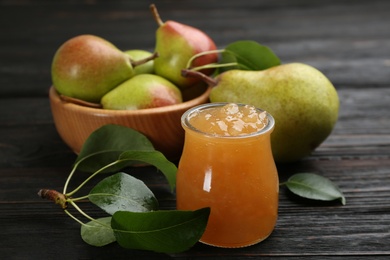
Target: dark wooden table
[[348, 40]]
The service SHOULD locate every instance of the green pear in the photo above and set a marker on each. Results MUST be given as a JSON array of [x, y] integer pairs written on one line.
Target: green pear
[[146, 68], [302, 100], [86, 67], [142, 91], [176, 43]]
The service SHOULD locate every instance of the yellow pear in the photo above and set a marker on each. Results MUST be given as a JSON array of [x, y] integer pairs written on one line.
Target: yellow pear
[[302, 100], [142, 91]]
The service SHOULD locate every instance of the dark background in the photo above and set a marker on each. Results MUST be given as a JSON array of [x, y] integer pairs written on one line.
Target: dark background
[[348, 40], [325, 34]]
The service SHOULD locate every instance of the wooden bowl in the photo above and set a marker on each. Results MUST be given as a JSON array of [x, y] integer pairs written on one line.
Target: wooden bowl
[[162, 125]]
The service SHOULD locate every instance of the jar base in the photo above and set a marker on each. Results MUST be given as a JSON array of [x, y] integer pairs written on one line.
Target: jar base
[[235, 246]]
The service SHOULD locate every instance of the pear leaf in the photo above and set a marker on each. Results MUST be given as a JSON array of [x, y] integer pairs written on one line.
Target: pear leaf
[[98, 232], [170, 231], [313, 186], [104, 145], [156, 159], [249, 55], [123, 192]]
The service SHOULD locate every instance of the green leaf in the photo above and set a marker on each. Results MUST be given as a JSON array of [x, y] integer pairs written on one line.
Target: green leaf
[[171, 231], [156, 159], [249, 55], [123, 192], [105, 145], [313, 186], [98, 232]]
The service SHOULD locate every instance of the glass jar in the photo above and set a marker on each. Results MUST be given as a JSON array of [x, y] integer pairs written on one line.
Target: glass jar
[[235, 176]]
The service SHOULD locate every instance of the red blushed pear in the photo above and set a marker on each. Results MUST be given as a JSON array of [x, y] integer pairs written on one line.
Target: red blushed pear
[[142, 91], [86, 67], [176, 43]]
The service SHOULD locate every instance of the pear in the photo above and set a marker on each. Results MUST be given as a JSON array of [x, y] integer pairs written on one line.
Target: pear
[[302, 100], [146, 68], [176, 43], [86, 67], [142, 91]]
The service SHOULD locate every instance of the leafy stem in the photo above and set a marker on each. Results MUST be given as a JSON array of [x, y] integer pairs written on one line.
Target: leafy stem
[[80, 210], [189, 63], [90, 177], [214, 66], [86, 215], [70, 176], [210, 65], [80, 198], [90, 218], [73, 217], [63, 200], [106, 194]]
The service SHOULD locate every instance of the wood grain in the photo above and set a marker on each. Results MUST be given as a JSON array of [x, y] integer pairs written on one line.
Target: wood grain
[[349, 40]]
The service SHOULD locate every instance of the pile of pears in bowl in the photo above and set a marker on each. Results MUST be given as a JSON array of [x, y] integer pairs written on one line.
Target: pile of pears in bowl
[[95, 83]]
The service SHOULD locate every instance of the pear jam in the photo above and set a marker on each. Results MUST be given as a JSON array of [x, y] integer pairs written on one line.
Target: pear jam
[[227, 165], [229, 120]]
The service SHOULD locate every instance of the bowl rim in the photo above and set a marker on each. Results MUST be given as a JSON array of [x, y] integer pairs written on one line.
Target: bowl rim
[[54, 96]]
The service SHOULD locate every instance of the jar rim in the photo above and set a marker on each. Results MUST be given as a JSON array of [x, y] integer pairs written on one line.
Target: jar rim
[[186, 124]]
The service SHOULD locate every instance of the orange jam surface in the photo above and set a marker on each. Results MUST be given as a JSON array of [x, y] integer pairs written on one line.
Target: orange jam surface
[[229, 120], [231, 172]]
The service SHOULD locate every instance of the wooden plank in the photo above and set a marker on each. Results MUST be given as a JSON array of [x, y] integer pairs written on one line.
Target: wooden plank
[[348, 40], [303, 227]]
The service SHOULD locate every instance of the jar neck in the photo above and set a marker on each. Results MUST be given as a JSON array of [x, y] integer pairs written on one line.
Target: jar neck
[[198, 135], [186, 123]]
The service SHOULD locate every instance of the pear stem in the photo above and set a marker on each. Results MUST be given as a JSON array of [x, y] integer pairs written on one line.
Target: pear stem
[[144, 60], [214, 66], [80, 102], [156, 15], [196, 74], [55, 196], [189, 63]]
